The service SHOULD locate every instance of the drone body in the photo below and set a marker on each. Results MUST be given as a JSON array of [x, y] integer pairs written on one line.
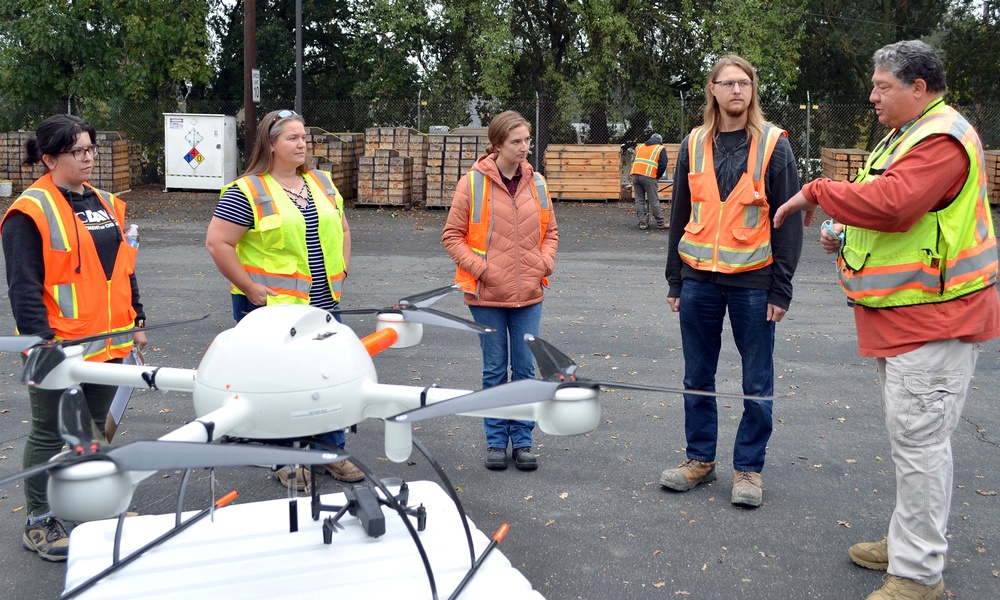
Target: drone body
[[287, 372]]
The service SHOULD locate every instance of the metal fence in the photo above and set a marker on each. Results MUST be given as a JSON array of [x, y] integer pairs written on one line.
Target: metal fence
[[811, 126]]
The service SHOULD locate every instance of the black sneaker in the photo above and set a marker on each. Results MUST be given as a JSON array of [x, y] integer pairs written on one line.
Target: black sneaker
[[48, 538], [524, 460], [496, 459], [643, 225]]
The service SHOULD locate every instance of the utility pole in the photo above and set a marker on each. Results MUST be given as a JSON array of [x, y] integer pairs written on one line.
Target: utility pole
[[249, 63], [298, 56]]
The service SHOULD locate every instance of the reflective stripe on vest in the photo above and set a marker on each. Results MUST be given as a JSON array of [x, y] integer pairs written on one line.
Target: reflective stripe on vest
[[731, 235], [481, 221], [646, 162], [64, 294], [947, 254]]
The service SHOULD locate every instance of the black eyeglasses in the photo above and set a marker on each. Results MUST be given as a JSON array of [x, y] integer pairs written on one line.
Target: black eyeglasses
[[282, 114], [78, 153]]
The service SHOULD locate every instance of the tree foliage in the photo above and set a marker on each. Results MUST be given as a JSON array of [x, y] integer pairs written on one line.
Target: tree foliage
[[96, 54]]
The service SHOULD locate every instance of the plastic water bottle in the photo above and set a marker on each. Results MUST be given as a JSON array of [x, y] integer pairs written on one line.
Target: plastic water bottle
[[132, 236]]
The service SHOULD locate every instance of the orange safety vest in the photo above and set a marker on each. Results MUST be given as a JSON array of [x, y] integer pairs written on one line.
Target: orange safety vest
[[481, 222], [79, 300], [646, 160], [735, 235]]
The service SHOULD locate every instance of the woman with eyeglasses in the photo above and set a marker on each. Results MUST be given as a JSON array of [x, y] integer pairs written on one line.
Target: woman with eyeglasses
[[280, 236], [70, 274], [501, 232]]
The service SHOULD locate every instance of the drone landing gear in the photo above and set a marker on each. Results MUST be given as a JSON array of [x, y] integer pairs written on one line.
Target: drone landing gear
[[365, 503]]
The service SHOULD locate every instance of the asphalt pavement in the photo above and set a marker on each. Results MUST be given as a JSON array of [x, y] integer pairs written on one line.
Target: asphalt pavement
[[592, 522]]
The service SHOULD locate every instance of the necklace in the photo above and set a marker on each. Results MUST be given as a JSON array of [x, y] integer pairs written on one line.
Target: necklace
[[300, 197]]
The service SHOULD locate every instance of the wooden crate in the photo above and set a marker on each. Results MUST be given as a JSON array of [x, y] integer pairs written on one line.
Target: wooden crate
[[385, 179], [449, 157], [337, 153], [407, 142], [842, 164], [583, 171], [992, 164]]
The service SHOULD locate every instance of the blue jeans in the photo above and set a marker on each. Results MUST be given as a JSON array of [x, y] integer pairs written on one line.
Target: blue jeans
[[703, 308], [241, 308], [505, 348]]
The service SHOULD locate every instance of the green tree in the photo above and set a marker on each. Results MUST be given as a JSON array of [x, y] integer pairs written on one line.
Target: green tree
[[98, 58]]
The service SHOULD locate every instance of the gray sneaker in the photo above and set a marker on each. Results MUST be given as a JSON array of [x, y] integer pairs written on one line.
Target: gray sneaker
[[48, 538], [689, 474]]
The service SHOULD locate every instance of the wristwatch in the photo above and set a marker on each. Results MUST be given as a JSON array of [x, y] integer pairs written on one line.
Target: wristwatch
[[140, 323]]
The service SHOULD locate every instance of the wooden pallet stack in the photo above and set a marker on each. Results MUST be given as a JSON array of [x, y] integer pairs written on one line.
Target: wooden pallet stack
[[992, 158], [842, 164], [407, 143], [12, 148], [385, 178], [584, 171], [337, 153], [449, 156], [112, 171]]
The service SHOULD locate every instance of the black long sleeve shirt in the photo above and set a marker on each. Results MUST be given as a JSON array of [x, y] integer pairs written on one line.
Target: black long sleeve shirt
[[731, 151]]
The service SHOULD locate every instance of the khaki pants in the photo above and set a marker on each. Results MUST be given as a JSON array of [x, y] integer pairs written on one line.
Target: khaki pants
[[923, 392]]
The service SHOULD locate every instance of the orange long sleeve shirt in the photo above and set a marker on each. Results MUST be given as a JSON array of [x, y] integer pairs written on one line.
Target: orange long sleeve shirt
[[927, 177]]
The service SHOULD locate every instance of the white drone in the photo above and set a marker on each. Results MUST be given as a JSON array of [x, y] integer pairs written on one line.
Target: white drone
[[287, 372]]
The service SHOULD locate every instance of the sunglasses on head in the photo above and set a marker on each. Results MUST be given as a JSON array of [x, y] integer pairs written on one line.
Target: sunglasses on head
[[282, 114]]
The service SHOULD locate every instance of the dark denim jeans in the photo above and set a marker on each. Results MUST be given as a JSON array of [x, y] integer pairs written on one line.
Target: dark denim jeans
[[505, 348], [241, 307], [703, 308]]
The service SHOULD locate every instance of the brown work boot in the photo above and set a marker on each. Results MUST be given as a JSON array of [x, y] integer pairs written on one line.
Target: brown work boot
[[301, 478], [689, 474], [871, 555], [748, 488], [900, 588], [343, 470]]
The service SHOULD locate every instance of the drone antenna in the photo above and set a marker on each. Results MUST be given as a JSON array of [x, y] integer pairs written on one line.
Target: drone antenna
[[451, 492], [497, 538]]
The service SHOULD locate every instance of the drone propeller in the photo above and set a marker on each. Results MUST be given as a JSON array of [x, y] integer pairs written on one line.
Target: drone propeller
[[557, 371], [156, 455], [48, 354], [560, 367], [415, 309], [20, 343]]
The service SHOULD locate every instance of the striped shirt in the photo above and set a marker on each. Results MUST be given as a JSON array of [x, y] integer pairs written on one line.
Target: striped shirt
[[234, 207]]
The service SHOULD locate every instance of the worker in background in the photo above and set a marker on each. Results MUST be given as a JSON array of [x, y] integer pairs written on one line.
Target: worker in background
[[649, 166]]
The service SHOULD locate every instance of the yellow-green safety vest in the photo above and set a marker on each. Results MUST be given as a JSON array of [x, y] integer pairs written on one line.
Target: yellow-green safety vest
[[948, 254]]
